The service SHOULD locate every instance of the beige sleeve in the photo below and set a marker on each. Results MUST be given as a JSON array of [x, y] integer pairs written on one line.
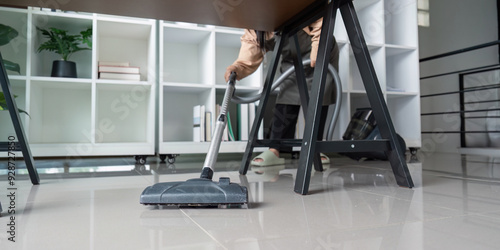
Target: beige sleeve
[[250, 56], [315, 30], [315, 33]]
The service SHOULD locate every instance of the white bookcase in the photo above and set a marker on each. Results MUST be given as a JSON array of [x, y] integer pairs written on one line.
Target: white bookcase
[[182, 65], [192, 62], [84, 116], [391, 32]]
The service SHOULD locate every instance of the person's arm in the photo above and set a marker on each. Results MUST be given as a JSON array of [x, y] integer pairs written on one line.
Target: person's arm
[[249, 58], [314, 30]]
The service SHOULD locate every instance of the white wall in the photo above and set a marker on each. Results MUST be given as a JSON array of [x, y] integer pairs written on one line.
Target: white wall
[[454, 24]]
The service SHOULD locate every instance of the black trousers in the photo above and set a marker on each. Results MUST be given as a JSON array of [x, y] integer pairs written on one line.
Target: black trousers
[[285, 120]]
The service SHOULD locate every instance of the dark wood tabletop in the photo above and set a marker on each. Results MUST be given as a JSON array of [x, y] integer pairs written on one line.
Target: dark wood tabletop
[[255, 14]]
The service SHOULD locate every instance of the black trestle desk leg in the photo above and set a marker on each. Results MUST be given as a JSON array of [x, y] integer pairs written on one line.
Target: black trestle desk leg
[[259, 114], [313, 113], [16, 120], [375, 95], [303, 90]]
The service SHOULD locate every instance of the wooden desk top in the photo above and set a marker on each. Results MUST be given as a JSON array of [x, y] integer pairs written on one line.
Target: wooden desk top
[[255, 14]]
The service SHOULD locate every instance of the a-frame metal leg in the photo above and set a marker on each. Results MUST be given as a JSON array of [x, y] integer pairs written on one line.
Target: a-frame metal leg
[[375, 95], [303, 90], [16, 120], [309, 143], [259, 114], [313, 113]]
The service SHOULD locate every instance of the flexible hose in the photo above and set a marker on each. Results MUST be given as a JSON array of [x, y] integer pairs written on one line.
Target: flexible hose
[[284, 75]]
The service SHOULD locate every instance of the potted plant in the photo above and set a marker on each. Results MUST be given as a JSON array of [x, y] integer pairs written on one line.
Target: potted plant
[[7, 34], [64, 44]]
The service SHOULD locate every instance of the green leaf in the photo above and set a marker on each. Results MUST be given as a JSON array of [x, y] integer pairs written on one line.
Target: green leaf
[[24, 112], [3, 104], [12, 66], [7, 33], [87, 37]]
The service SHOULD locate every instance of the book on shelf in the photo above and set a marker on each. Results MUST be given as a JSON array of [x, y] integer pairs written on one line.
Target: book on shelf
[[230, 132], [199, 123], [208, 126], [243, 121], [260, 132], [196, 123], [115, 70], [225, 133], [119, 76], [252, 109], [118, 69], [301, 124], [114, 63], [246, 118]]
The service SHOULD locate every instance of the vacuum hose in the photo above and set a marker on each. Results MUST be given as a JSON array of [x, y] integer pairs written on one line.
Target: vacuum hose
[[284, 75]]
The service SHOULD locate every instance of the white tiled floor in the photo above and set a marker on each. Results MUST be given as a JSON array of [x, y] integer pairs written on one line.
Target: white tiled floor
[[352, 205]]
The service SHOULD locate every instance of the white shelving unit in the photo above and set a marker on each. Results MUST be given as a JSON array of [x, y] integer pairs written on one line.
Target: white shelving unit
[[182, 65], [84, 116], [390, 30], [192, 62]]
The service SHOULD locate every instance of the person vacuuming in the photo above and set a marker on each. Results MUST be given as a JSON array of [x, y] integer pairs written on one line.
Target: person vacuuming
[[202, 191], [254, 45]]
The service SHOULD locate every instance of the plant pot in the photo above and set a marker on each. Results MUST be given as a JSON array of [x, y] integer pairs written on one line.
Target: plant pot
[[61, 68]]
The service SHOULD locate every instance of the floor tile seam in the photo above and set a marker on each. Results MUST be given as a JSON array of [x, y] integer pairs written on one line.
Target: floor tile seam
[[470, 180], [203, 229], [457, 176], [463, 215], [416, 202], [372, 227], [483, 201], [374, 193], [367, 166], [488, 215], [147, 179]]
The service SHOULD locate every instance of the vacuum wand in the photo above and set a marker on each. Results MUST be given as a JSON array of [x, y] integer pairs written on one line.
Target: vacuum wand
[[211, 158], [202, 191]]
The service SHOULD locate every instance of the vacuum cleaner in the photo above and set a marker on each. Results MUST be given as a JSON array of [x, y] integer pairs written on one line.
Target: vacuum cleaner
[[205, 192], [202, 191]]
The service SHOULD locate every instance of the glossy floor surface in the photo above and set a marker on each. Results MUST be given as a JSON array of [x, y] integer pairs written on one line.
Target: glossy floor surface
[[94, 204]]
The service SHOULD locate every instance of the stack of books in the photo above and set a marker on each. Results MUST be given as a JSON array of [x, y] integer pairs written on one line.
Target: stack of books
[[202, 124], [237, 128], [239, 124], [118, 71]]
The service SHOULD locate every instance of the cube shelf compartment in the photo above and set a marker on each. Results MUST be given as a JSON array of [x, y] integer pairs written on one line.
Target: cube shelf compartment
[[187, 55], [41, 62], [60, 112], [123, 113], [15, 51]]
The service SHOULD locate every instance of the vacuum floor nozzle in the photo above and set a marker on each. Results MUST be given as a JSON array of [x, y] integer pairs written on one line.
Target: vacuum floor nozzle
[[195, 192]]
